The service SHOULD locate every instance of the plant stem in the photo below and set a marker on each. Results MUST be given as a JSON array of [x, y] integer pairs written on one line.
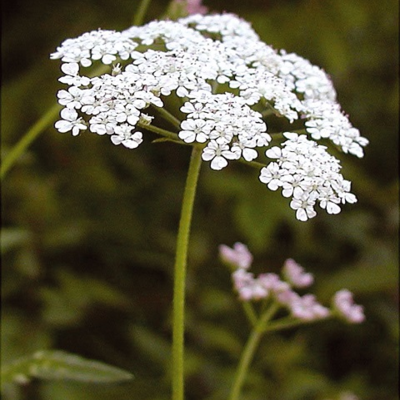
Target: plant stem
[[249, 350], [180, 275], [250, 313], [141, 12], [286, 323], [245, 360], [169, 117], [163, 132], [28, 138]]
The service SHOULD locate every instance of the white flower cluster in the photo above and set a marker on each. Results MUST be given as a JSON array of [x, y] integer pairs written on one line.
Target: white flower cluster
[[270, 285], [309, 174], [217, 119], [228, 82]]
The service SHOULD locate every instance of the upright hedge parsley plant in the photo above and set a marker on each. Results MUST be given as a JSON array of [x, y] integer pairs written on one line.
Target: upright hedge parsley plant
[[228, 85]]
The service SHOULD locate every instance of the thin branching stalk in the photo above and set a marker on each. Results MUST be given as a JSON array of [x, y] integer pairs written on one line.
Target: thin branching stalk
[[163, 132], [250, 349], [169, 117]]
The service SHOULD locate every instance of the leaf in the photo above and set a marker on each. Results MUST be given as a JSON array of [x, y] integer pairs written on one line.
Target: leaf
[[361, 279], [13, 237], [60, 365], [67, 303], [219, 338], [154, 345], [258, 214]]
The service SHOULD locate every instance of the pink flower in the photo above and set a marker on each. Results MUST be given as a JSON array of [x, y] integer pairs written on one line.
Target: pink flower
[[344, 305], [248, 287], [307, 308], [239, 256], [195, 7], [295, 274]]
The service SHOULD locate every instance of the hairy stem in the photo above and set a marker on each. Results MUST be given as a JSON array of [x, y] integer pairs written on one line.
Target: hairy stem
[[28, 138], [180, 275], [141, 12], [249, 351], [169, 117], [163, 132]]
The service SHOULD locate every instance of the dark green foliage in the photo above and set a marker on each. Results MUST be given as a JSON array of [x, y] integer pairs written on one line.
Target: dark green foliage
[[89, 228]]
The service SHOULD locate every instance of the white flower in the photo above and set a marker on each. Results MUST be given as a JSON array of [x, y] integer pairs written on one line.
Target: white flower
[[245, 149], [70, 68], [194, 110], [70, 122], [218, 154], [304, 207], [103, 123], [272, 176], [123, 135], [72, 98], [72, 77], [222, 132], [195, 130], [127, 113]]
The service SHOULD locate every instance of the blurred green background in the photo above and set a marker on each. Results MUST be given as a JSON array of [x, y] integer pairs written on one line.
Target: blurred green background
[[89, 228]]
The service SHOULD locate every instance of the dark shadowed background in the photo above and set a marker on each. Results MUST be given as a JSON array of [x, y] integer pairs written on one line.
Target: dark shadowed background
[[89, 229]]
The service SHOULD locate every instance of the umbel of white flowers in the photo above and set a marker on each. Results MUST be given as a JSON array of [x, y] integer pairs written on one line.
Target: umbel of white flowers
[[193, 58]]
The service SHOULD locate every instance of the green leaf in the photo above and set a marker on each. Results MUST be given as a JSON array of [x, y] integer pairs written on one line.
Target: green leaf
[[363, 278], [60, 365], [13, 237]]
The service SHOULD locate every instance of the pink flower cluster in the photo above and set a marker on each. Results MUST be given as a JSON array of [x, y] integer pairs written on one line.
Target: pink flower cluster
[[193, 6], [344, 305], [270, 285]]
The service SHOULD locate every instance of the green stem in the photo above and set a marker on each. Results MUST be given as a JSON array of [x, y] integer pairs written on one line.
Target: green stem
[[289, 322], [169, 117], [245, 360], [253, 164], [214, 87], [28, 138], [180, 275], [268, 112], [269, 109], [303, 130], [249, 351], [141, 12], [163, 132], [250, 313]]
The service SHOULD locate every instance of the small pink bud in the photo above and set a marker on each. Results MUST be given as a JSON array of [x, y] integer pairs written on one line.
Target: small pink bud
[[239, 256], [195, 7], [344, 305], [295, 274]]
